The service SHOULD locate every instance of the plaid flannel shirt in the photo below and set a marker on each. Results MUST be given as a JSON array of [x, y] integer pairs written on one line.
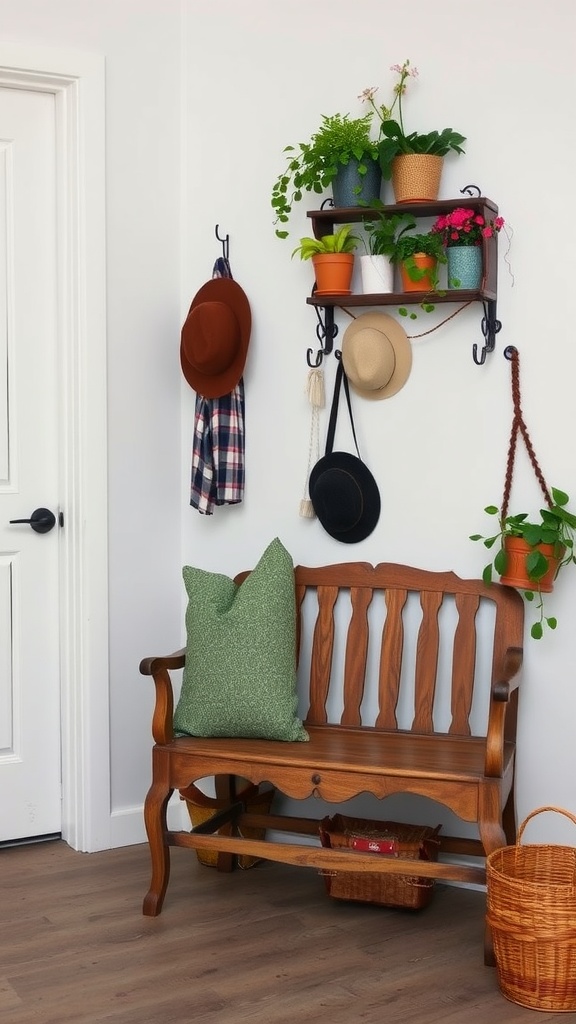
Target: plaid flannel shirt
[[218, 451]]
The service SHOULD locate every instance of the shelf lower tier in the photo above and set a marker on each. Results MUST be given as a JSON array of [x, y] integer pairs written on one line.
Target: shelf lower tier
[[402, 298]]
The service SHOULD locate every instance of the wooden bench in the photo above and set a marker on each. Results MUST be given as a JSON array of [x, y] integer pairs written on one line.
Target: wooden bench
[[411, 679]]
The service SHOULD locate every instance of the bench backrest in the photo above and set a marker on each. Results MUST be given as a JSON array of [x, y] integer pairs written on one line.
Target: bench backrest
[[394, 647]]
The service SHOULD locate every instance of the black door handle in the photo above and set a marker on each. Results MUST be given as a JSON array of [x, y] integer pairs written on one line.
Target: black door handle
[[42, 520]]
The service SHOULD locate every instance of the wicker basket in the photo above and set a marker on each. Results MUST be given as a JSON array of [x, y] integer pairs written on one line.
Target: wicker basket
[[391, 838], [203, 807], [531, 894]]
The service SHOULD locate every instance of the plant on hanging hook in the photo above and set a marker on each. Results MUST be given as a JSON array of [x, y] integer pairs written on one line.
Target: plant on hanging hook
[[531, 552]]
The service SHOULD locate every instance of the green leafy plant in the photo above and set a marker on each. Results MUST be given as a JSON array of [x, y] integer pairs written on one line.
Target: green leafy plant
[[407, 246], [393, 138], [384, 231], [341, 241], [556, 526], [312, 166]]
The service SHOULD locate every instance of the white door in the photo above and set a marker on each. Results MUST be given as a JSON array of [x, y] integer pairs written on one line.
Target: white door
[[30, 776]]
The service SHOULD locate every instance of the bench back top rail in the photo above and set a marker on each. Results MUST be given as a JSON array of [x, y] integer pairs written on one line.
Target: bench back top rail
[[403, 647]]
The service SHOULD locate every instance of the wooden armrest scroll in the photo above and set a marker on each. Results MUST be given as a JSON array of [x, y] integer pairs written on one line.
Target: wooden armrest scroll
[[501, 692], [159, 669]]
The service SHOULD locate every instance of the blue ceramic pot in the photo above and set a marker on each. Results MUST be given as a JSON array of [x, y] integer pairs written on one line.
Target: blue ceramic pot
[[347, 180], [464, 266]]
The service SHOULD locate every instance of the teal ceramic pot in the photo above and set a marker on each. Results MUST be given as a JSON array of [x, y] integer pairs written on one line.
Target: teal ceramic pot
[[464, 266], [347, 179]]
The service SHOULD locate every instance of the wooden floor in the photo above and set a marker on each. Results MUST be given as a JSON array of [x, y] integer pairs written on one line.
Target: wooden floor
[[260, 946]]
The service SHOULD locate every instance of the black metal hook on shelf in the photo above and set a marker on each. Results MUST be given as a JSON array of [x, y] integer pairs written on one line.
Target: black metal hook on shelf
[[469, 190], [225, 243], [490, 327], [326, 331]]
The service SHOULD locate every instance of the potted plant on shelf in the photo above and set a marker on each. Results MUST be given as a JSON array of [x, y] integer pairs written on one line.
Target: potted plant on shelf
[[333, 259], [383, 231], [414, 161], [463, 232], [340, 154], [531, 552], [418, 257]]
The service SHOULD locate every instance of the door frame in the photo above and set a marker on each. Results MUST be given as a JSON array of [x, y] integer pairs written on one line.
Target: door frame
[[78, 84]]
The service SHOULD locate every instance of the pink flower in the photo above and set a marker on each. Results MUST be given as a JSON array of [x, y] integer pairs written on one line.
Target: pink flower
[[369, 93]]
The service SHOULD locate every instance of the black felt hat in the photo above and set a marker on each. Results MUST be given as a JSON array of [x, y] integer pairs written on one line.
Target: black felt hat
[[345, 496], [343, 492]]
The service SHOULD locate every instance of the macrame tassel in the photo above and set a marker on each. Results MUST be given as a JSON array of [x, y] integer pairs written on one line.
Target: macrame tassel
[[317, 397]]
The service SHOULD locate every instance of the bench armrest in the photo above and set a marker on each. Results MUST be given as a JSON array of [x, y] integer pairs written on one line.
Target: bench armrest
[[159, 669], [504, 686]]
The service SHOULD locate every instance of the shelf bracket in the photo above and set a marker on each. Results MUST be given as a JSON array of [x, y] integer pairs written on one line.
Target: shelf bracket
[[490, 328], [326, 331]]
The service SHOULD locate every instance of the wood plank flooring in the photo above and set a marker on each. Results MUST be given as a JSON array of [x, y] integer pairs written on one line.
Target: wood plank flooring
[[265, 946]]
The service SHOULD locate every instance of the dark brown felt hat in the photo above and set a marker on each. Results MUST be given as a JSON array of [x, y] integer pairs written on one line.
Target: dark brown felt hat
[[215, 337]]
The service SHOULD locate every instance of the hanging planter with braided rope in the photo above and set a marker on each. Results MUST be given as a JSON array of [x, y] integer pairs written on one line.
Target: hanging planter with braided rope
[[530, 552]]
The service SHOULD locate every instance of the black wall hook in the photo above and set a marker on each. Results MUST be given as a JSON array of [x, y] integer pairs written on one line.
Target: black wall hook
[[225, 243], [490, 328], [326, 331]]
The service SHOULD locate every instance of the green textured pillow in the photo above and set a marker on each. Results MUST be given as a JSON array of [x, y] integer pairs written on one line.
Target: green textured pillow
[[240, 673]]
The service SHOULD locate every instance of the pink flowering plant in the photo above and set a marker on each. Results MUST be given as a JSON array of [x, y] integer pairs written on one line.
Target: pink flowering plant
[[466, 227], [393, 138]]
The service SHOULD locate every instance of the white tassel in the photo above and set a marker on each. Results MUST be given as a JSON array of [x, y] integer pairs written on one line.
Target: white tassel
[[316, 396]]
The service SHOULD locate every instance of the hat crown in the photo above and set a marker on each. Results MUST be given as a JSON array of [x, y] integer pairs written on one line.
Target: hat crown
[[370, 359], [212, 341]]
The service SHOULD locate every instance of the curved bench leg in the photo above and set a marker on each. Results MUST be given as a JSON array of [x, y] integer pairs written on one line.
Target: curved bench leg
[[155, 819]]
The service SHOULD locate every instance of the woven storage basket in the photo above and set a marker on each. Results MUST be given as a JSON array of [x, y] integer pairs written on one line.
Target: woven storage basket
[[256, 802], [531, 900], [418, 842]]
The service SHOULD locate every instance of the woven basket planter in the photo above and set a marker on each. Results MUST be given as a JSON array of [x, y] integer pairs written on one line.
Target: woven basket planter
[[416, 177]]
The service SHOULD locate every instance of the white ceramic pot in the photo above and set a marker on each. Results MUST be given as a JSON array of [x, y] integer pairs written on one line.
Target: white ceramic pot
[[377, 274]]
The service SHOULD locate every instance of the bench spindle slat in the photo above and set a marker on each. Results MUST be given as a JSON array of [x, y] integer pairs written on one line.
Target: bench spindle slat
[[391, 659], [463, 663], [426, 662], [356, 652], [322, 651]]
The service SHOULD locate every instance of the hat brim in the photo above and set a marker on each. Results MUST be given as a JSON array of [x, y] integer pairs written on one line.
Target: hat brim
[[324, 495], [219, 289], [400, 342]]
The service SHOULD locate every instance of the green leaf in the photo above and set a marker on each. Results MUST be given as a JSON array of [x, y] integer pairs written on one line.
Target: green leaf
[[500, 562], [552, 622], [487, 573], [536, 631], [403, 311], [537, 565], [491, 510], [490, 541], [559, 497], [475, 536], [529, 595]]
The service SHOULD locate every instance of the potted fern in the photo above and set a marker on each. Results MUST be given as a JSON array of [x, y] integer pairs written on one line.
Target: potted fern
[[532, 551], [340, 154], [333, 259]]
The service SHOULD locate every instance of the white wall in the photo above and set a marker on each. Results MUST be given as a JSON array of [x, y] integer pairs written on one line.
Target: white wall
[[260, 75], [141, 43]]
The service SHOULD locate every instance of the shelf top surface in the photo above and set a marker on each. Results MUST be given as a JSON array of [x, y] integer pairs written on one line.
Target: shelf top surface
[[341, 215]]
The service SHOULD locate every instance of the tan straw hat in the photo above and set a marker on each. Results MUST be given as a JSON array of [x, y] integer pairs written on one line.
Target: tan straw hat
[[376, 355]]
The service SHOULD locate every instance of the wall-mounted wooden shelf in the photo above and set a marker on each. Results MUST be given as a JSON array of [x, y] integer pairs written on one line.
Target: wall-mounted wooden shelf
[[323, 222]]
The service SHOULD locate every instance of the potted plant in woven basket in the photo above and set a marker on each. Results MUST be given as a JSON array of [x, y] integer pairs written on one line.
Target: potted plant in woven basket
[[341, 154], [414, 160]]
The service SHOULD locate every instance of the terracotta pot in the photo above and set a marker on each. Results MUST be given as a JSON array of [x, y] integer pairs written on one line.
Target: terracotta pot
[[416, 177], [333, 273], [516, 574], [425, 283]]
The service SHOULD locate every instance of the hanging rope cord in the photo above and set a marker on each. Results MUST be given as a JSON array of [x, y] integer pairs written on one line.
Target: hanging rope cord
[[519, 427]]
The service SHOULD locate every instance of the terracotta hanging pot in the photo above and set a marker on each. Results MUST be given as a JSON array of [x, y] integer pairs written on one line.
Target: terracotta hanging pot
[[425, 283], [516, 574], [333, 273], [416, 177]]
